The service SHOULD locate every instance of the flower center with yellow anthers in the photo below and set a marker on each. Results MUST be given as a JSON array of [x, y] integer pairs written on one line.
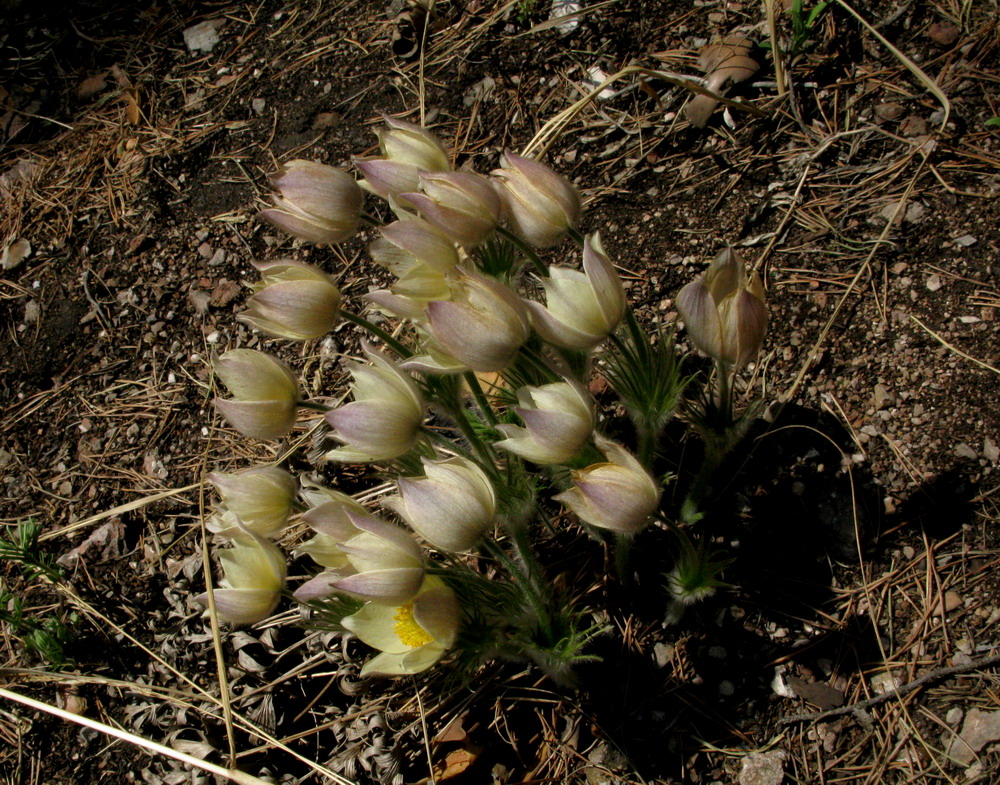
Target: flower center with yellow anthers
[[407, 629]]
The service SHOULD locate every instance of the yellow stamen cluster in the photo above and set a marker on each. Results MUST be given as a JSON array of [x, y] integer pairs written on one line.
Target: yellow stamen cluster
[[407, 629]]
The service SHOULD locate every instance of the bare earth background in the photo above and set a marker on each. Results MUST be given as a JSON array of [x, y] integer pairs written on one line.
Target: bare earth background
[[133, 159]]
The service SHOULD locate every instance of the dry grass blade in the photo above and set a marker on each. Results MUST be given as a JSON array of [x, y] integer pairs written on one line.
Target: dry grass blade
[[233, 775], [912, 67], [952, 348]]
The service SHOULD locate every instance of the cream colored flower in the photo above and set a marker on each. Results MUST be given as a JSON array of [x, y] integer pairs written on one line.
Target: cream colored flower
[[314, 202], [450, 507], [725, 311], [619, 495], [482, 325], [265, 393], [412, 636], [463, 205], [260, 498], [582, 308], [333, 527], [540, 204], [294, 300], [254, 575], [407, 150], [558, 420], [384, 419]]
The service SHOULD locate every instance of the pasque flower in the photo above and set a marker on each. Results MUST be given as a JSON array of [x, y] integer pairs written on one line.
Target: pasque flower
[[384, 419], [558, 420], [314, 202], [450, 506], [463, 205], [333, 527], [265, 393], [407, 150], [724, 310], [482, 325], [420, 256], [384, 563], [254, 574], [582, 308], [294, 300], [260, 498], [619, 495], [540, 204], [413, 242], [413, 635]]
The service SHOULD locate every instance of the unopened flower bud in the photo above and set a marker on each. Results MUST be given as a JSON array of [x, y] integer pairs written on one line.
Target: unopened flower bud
[[540, 204], [294, 300], [261, 498], [724, 310], [254, 574], [463, 205], [314, 202], [482, 326], [558, 419], [582, 308], [384, 419], [450, 507], [407, 150], [619, 495], [265, 393]]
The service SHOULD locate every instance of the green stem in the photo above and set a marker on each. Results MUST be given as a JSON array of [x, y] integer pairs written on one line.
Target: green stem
[[526, 575], [378, 332], [576, 237], [314, 406], [623, 557], [526, 249], [444, 441], [477, 392], [371, 220]]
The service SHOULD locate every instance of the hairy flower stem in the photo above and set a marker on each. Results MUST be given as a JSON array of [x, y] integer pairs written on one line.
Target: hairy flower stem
[[526, 573], [623, 558], [378, 332], [718, 442], [477, 392], [526, 249]]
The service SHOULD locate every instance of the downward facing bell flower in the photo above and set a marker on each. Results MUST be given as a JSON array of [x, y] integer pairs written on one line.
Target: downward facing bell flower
[[265, 393], [314, 202], [413, 635], [254, 574], [725, 311], [582, 308], [558, 420], [261, 498], [482, 326], [463, 205], [294, 300], [333, 527], [407, 150], [541, 205], [384, 419], [381, 562], [619, 495], [450, 506]]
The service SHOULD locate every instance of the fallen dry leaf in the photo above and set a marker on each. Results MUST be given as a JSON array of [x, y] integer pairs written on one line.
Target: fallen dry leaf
[[725, 64]]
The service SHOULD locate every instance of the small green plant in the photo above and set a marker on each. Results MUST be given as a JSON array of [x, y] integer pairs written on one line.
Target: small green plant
[[993, 122], [804, 27], [804, 24], [45, 637]]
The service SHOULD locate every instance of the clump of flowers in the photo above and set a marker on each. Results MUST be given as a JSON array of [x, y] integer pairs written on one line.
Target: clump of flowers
[[470, 395]]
